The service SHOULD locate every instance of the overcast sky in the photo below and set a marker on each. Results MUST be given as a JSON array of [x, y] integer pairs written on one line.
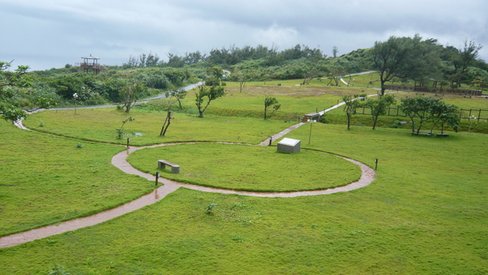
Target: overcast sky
[[51, 33]]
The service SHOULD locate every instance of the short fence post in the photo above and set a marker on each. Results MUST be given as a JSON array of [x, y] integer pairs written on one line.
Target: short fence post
[[376, 164], [157, 179], [479, 115]]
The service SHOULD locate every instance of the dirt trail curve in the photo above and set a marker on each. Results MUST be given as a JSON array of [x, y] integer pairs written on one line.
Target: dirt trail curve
[[169, 186]]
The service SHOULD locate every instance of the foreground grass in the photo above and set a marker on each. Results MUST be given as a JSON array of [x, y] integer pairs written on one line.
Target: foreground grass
[[251, 168], [425, 213], [46, 179], [100, 125]]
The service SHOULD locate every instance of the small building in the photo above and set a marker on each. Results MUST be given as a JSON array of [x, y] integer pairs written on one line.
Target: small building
[[289, 145]]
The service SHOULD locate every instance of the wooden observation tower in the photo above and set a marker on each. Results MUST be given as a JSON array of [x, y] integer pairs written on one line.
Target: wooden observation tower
[[90, 64]]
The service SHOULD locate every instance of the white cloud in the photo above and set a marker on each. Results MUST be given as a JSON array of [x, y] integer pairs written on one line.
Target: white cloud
[[60, 31], [275, 35]]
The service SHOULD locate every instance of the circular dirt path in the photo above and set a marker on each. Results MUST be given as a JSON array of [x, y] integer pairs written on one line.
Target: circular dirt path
[[169, 186]]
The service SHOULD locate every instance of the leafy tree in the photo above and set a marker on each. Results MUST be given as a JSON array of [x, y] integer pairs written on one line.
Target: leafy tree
[[417, 108], [270, 102], [424, 61], [458, 61], [442, 113], [10, 108], [389, 59], [378, 106], [179, 95], [130, 93], [205, 95], [351, 103]]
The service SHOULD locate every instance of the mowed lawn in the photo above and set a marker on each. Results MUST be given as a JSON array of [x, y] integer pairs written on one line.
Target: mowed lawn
[[295, 99], [250, 168], [47, 179], [425, 213], [101, 125]]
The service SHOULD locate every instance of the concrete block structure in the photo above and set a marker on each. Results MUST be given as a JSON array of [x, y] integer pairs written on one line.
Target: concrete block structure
[[289, 145]]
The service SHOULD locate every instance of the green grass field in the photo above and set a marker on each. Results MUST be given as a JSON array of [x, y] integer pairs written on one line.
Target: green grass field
[[425, 213], [47, 179], [251, 168], [295, 100], [100, 125]]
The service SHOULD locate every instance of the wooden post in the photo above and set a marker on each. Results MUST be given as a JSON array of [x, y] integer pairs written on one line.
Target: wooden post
[[310, 134], [479, 115], [157, 179], [376, 164]]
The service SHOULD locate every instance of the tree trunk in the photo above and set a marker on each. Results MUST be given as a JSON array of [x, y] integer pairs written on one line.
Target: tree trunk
[[348, 121], [413, 125], [241, 84], [375, 120], [382, 92], [420, 126], [265, 111]]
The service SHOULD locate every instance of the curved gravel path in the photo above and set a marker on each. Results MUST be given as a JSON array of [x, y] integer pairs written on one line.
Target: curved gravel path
[[169, 186], [367, 176]]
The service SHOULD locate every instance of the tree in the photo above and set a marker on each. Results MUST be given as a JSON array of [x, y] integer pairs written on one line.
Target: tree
[[130, 93], [378, 106], [179, 95], [459, 60], [205, 95], [335, 50], [417, 108], [10, 107], [351, 103], [442, 113], [166, 124], [424, 61], [270, 102], [389, 59]]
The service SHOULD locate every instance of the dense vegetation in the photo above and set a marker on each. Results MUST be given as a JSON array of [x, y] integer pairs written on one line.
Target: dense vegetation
[[421, 63]]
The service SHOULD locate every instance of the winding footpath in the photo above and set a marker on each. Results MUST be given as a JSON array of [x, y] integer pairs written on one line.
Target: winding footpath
[[169, 186]]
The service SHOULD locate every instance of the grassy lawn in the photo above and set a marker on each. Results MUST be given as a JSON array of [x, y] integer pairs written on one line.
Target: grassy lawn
[[46, 179], [425, 213], [251, 168], [295, 100], [100, 125]]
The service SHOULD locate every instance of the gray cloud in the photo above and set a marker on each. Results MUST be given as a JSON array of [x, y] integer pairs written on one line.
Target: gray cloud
[[51, 33]]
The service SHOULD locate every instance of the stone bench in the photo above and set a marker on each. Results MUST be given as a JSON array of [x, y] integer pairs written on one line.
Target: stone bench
[[175, 168]]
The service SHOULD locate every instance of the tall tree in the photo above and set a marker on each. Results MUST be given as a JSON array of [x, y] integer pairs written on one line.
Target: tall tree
[[459, 60], [389, 58]]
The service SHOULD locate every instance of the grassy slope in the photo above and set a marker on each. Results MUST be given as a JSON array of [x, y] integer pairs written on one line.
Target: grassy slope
[[426, 213], [47, 179], [100, 124], [295, 100], [249, 167]]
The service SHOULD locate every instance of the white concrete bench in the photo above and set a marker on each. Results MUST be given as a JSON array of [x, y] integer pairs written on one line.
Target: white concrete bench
[[175, 168]]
